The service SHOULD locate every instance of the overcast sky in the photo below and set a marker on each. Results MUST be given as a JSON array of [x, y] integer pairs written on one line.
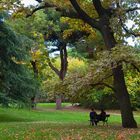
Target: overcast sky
[[29, 2]]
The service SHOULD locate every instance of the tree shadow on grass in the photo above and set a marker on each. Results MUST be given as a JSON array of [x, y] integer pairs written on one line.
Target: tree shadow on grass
[[12, 118]]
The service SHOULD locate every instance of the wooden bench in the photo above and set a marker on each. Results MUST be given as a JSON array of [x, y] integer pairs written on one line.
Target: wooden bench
[[99, 118]]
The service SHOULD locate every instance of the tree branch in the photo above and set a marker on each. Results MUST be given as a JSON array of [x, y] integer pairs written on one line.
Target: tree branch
[[39, 1], [35, 69], [128, 31], [121, 22], [83, 15], [64, 63], [134, 66], [35, 10], [53, 67], [46, 5], [64, 12], [131, 9], [99, 8], [65, 60], [104, 84]]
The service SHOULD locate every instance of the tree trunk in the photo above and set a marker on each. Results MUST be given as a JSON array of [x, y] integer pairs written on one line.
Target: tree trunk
[[62, 72], [58, 102], [119, 84], [123, 98], [103, 26]]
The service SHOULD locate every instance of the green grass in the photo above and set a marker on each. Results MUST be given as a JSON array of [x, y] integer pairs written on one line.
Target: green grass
[[61, 116], [52, 105], [46, 123], [60, 131], [14, 115]]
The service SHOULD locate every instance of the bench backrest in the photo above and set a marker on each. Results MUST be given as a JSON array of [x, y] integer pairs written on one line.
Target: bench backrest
[[103, 118]]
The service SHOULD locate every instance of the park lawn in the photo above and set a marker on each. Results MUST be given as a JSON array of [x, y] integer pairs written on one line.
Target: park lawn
[[61, 131], [22, 124], [52, 105]]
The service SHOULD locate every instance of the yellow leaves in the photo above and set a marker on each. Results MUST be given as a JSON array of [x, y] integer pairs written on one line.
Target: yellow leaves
[[75, 62], [132, 81], [74, 25], [36, 54], [89, 8], [18, 15], [107, 3], [36, 34], [67, 33]]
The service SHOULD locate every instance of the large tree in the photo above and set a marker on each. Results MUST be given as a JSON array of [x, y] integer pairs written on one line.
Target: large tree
[[120, 10], [103, 25], [99, 15]]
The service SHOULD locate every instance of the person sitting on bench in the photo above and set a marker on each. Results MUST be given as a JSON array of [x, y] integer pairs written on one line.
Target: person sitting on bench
[[102, 115], [93, 117]]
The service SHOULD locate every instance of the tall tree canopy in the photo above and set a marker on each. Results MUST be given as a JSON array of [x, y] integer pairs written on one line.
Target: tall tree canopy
[[109, 18], [100, 18]]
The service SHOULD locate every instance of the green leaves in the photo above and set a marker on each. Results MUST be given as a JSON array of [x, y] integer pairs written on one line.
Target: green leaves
[[99, 72], [17, 81]]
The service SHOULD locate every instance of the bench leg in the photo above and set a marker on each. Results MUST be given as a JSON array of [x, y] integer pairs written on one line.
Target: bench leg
[[93, 123], [107, 123]]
